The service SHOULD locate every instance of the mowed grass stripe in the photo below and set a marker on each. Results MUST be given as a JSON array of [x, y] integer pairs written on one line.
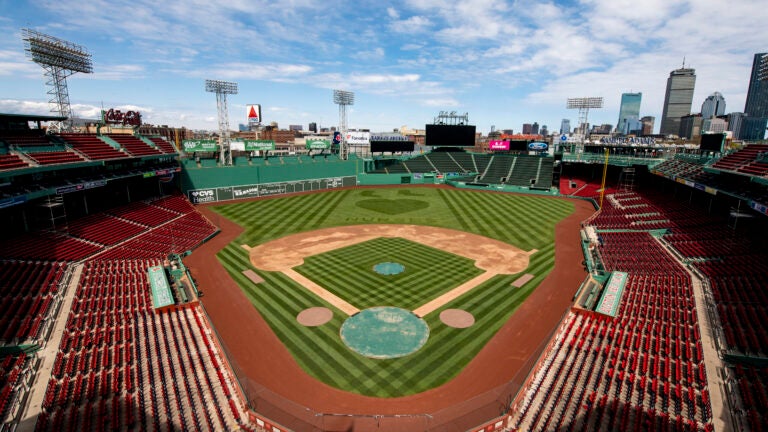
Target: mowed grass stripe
[[280, 313], [365, 288], [528, 223]]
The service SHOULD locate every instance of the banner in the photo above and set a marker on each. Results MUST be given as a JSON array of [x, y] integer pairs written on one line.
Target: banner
[[259, 145], [358, 138], [238, 145], [199, 145], [498, 145], [317, 144]]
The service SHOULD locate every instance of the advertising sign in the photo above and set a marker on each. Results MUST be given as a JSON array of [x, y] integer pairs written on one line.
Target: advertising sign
[[202, 196], [538, 146], [237, 145], [254, 145], [199, 145], [253, 113], [317, 144], [498, 145], [358, 138], [242, 192]]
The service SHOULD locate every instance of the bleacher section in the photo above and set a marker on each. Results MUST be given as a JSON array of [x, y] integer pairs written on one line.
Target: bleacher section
[[744, 161], [444, 162], [54, 157], [163, 145], [133, 145], [92, 146], [497, 169], [515, 170], [642, 370], [735, 290], [419, 164], [120, 365], [29, 294], [15, 376], [11, 161]]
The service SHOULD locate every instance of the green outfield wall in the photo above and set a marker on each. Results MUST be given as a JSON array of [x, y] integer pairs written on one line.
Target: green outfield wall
[[194, 177]]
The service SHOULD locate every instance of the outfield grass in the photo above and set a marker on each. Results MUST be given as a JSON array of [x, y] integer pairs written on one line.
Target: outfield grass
[[524, 221]]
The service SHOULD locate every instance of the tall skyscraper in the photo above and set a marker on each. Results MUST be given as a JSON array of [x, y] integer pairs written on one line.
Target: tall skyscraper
[[628, 112], [535, 128], [677, 99], [713, 106], [756, 108], [565, 126]]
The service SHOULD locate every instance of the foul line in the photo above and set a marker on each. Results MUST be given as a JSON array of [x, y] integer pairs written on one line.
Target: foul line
[[322, 292], [452, 294]]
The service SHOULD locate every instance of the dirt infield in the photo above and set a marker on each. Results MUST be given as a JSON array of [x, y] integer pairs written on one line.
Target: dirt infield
[[489, 254], [256, 352]]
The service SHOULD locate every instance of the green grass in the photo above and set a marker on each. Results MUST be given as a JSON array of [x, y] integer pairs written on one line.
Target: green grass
[[524, 221], [354, 280]]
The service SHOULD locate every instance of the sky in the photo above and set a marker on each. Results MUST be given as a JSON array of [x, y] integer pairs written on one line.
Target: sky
[[504, 63]]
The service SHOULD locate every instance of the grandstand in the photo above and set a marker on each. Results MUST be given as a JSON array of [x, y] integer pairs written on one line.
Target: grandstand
[[83, 346]]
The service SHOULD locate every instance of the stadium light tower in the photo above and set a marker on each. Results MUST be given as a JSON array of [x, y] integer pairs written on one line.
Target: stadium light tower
[[583, 105], [59, 59], [343, 98], [222, 89]]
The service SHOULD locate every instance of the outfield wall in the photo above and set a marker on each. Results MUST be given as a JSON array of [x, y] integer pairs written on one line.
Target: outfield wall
[[194, 177]]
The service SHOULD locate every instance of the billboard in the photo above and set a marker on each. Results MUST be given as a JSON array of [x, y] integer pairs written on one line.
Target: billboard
[[237, 145], [199, 145], [538, 146], [391, 146], [450, 135], [358, 138], [498, 145], [251, 145], [253, 113], [318, 144], [712, 142]]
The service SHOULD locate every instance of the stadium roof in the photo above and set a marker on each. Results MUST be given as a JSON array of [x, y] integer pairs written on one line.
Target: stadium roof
[[4, 117]]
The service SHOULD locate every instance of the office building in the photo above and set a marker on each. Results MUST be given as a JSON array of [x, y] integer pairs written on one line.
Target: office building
[[713, 106], [690, 126], [628, 112], [527, 129], [735, 120], [677, 99], [648, 123], [565, 126], [535, 128], [756, 108]]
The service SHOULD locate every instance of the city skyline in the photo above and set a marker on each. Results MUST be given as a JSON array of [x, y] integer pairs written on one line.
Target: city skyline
[[504, 63]]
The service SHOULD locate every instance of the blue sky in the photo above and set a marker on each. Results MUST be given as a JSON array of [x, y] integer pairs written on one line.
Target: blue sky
[[504, 63]]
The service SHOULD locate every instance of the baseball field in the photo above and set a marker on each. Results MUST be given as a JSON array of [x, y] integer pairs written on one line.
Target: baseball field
[[476, 254]]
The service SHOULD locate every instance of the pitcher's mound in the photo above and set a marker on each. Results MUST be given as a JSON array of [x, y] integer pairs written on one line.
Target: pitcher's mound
[[457, 318], [314, 316]]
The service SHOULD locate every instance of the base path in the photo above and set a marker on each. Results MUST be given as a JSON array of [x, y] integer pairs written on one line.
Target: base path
[[452, 294], [247, 336], [321, 292]]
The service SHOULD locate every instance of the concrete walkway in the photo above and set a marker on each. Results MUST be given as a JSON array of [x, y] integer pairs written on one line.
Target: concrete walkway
[[48, 356]]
